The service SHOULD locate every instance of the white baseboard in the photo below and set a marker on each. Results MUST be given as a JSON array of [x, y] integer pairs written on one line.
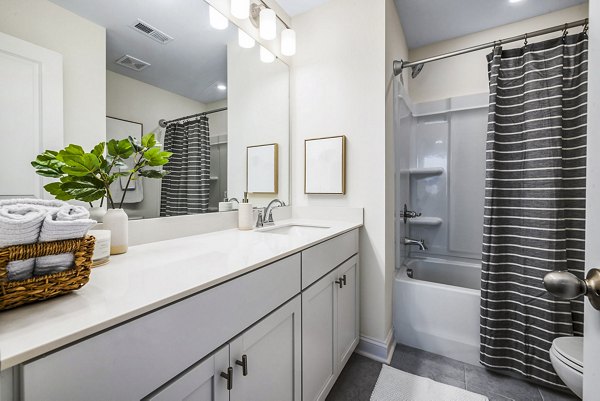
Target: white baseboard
[[380, 351]]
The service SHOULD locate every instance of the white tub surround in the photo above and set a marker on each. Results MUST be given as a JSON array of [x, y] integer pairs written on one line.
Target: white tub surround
[[206, 289], [437, 310]]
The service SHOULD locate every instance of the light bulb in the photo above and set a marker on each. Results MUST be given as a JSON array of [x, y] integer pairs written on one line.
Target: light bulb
[[268, 24], [217, 20], [244, 40], [288, 42], [240, 8], [221, 87], [266, 56]]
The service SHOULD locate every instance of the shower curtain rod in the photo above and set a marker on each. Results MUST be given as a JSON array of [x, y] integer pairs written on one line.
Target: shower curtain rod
[[399, 65], [163, 123]]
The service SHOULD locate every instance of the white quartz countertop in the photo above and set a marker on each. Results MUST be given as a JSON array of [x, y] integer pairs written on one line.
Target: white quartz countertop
[[145, 278]]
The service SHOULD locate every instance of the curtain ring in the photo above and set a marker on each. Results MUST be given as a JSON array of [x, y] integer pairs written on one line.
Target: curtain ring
[[525, 44], [586, 27], [565, 33]]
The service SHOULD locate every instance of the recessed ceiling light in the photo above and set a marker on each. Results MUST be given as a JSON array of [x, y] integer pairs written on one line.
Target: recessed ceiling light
[[514, 1], [221, 87]]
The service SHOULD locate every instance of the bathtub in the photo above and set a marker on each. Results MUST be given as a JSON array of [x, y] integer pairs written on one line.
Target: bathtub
[[436, 307]]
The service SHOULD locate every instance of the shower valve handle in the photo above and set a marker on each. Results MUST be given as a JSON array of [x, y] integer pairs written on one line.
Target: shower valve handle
[[566, 285], [409, 214]]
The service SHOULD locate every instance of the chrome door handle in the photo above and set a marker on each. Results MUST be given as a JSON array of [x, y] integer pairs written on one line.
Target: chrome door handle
[[566, 285]]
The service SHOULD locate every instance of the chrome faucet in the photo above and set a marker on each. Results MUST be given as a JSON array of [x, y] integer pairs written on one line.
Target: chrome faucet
[[259, 221], [268, 216], [419, 243]]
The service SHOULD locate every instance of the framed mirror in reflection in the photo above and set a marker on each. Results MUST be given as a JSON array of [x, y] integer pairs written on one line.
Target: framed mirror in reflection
[[213, 98], [262, 169]]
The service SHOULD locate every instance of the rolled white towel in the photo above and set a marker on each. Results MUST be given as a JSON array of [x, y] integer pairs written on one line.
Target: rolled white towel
[[20, 225], [49, 205], [68, 222]]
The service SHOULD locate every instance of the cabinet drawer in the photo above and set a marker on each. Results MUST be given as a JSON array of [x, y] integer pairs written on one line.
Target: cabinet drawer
[[322, 258], [130, 361]]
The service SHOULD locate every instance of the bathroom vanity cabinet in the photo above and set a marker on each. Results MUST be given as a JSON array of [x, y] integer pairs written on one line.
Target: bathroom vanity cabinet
[[330, 323], [280, 332]]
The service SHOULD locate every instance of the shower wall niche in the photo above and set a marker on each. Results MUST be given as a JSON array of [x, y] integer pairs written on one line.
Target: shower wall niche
[[447, 175]]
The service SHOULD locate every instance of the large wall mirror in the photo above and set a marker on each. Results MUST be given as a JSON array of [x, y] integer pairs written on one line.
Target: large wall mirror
[[165, 62]]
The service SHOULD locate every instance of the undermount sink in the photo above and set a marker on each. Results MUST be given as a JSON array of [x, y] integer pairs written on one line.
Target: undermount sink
[[293, 229]]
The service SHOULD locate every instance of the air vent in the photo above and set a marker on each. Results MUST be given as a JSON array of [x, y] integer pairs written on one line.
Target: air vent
[[132, 63], [151, 32]]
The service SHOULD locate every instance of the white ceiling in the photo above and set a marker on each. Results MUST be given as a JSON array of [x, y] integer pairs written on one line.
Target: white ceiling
[[191, 65], [429, 21]]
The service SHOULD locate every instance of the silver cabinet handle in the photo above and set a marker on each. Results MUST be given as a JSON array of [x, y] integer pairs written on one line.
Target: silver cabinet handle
[[566, 285]]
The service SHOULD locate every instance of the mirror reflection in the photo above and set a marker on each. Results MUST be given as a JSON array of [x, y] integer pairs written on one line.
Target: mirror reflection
[[204, 96]]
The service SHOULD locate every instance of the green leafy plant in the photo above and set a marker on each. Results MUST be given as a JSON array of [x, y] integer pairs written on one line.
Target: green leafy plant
[[87, 176]]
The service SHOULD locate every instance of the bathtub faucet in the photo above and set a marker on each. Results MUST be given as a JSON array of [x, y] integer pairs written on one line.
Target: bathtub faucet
[[420, 244]]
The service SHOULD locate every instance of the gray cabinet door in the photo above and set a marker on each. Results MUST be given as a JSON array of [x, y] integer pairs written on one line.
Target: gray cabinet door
[[272, 352], [347, 310], [202, 382], [318, 338]]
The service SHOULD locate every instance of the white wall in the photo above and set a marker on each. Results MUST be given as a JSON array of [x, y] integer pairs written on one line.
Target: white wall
[[133, 100], [83, 46], [467, 74], [339, 83], [258, 114]]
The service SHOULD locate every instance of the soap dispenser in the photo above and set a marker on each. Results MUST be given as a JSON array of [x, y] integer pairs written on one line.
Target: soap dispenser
[[245, 214]]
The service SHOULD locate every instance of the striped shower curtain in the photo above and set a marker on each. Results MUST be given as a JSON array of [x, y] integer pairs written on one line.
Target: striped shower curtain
[[534, 219], [186, 189]]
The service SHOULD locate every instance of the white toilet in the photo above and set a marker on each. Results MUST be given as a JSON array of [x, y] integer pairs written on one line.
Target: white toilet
[[566, 355]]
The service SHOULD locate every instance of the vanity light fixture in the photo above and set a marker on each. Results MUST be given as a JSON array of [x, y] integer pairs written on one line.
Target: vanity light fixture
[[288, 42], [244, 40], [268, 24], [266, 56], [240, 8], [217, 20], [265, 19]]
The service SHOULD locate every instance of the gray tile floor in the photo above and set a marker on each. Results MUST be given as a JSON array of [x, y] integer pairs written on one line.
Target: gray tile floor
[[360, 375]]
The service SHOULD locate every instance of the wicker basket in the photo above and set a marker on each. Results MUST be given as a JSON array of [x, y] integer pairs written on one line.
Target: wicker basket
[[16, 293]]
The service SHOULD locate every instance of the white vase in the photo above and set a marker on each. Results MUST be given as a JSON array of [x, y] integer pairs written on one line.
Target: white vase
[[97, 213], [117, 222]]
